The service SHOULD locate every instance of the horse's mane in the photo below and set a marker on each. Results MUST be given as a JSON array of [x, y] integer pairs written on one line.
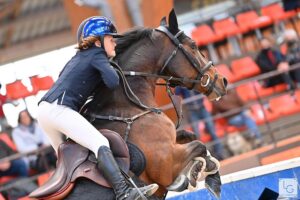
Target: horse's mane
[[130, 37]]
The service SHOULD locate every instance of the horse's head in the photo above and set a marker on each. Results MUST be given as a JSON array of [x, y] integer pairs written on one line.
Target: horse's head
[[182, 59]]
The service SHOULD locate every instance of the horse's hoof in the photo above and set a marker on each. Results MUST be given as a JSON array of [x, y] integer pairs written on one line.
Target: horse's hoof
[[180, 184], [213, 184], [212, 167], [195, 170]]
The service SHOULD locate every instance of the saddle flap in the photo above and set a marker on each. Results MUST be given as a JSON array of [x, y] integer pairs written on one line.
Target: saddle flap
[[117, 145], [66, 164]]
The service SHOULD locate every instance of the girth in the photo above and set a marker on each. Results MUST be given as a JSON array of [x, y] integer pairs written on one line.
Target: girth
[[75, 161]]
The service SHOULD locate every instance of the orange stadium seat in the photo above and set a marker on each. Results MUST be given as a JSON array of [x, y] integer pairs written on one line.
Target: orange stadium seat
[[226, 27], [276, 12], [17, 90], [285, 105], [220, 126], [262, 114], [244, 67], [225, 71], [280, 87], [263, 92], [42, 83], [204, 35], [247, 91], [43, 178], [250, 21], [5, 138]]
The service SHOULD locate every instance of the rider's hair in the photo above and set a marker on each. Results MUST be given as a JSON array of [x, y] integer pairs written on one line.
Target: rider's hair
[[87, 42]]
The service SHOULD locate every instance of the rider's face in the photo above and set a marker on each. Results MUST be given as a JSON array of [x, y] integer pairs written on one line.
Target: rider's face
[[110, 44]]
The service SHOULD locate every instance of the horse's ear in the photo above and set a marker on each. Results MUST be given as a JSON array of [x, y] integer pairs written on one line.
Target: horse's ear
[[173, 24], [163, 21]]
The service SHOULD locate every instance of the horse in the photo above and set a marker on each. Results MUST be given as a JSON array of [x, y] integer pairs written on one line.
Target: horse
[[143, 56]]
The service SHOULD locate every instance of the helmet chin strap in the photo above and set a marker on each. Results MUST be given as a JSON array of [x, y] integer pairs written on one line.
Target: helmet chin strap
[[102, 41]]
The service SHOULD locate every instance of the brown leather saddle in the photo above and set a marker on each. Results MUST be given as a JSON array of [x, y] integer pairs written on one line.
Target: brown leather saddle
[[75, 161]]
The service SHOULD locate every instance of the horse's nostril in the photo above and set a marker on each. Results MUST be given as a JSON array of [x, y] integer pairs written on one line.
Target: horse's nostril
[[225, 82]]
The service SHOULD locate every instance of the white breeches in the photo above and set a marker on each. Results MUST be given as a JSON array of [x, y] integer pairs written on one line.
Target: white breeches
[[56, 120]]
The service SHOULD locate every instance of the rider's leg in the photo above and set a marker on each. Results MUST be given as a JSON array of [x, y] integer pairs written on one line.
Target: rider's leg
[[61, 119]]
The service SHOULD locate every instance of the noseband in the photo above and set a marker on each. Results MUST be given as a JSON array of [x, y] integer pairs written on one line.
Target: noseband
[[210, 85]]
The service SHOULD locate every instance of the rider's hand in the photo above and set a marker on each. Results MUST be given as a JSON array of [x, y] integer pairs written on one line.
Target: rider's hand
[[283, 66]]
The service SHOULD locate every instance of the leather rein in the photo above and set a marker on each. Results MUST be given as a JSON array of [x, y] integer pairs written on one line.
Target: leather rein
[[134, 99]]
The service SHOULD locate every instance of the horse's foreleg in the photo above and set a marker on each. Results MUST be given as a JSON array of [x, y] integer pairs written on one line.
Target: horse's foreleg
[[190, 163], [211, 172], [184, 137]]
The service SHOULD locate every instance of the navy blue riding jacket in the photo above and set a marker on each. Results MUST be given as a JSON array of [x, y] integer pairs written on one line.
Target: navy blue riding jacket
[[79, 78]]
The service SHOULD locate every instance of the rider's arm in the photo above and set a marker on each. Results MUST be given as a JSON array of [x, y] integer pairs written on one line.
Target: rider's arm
[[108, 73]]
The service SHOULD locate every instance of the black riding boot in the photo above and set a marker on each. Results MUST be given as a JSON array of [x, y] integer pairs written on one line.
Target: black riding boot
[[111, 171]]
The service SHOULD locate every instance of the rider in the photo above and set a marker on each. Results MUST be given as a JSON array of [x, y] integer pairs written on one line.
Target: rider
[[59, 109]]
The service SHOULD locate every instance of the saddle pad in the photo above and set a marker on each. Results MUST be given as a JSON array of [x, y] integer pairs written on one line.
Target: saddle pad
[[137, 159]]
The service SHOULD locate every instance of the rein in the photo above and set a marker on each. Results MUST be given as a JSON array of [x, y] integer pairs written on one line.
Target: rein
[[174, 99]]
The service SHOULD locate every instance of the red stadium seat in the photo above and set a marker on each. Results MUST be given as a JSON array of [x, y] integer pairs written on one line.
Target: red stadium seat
[[225, 71], [245, 67], [247, 91], [42, 83], [226, 27], [204, 35], [280, 87], [285, 105], [18, 90], [259, 114], [250, 21], [276, 12], [220, 126], [43, 178], [263, 92], [5, 138]]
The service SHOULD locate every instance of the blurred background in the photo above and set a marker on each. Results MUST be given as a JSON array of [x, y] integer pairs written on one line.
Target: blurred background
[[254, 43]]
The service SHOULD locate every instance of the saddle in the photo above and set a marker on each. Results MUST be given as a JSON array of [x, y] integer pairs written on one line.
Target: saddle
[[75, 161]]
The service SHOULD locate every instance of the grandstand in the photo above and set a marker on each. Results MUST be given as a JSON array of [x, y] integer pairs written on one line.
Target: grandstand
[[227, 32]]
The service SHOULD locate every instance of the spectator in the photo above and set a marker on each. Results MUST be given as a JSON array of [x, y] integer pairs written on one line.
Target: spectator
[[11, 168], [3, 122], [196, 112], [270, 59], [28, 136], [230, 102], [293, 52]]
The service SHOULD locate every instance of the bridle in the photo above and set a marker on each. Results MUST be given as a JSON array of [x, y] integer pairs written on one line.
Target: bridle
[[202, 72]]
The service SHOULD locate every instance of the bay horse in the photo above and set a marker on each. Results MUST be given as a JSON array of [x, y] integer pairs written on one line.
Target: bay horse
[[144, 55]]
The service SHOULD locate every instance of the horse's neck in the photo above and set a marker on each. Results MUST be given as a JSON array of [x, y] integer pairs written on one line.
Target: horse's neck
[[144, 90], [134, 59]]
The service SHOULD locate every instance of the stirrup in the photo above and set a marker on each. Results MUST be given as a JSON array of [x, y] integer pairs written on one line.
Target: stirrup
[[128, 178]]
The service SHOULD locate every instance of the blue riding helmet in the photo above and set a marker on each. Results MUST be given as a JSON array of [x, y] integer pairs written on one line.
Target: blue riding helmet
[[80, 27], [98, 26]]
